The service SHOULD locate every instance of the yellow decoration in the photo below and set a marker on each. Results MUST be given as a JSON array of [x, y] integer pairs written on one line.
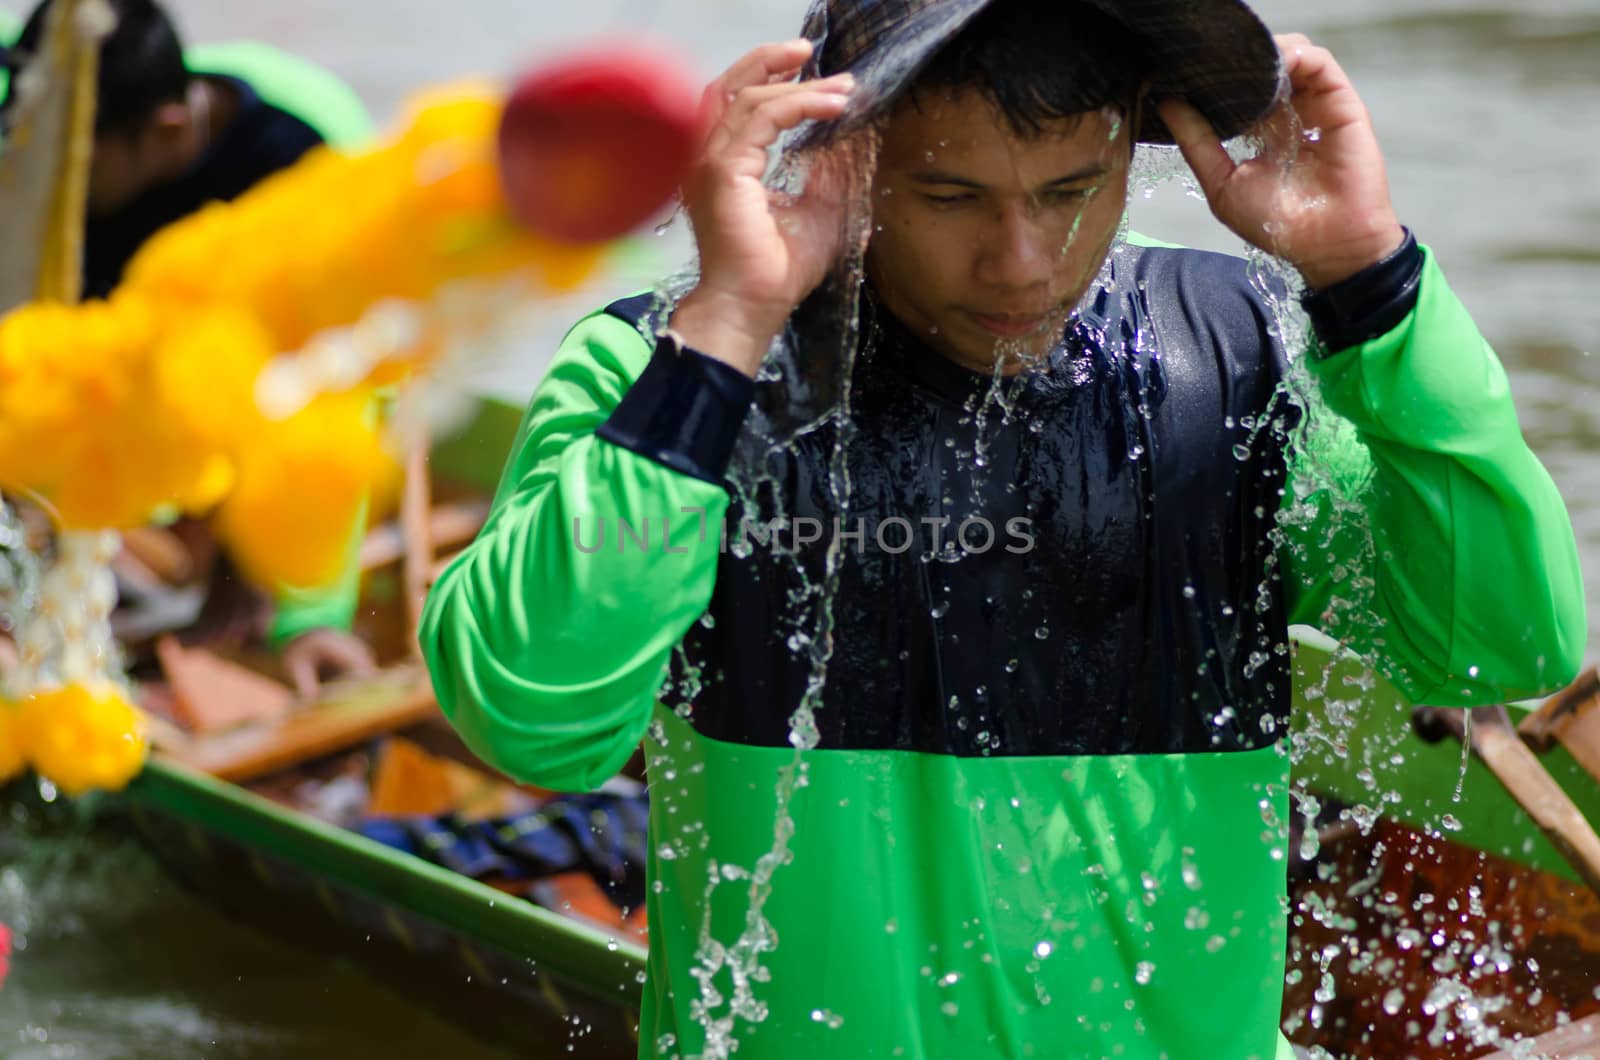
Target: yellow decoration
[[84, 739], [112, 411], [336, 278], [302, 482], [12, 758]]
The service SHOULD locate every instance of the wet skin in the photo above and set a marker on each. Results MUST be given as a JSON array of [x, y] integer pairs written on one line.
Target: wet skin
[[984, 239]]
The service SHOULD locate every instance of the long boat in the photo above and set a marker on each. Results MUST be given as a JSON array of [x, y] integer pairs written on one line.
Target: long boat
[[1371, 778]]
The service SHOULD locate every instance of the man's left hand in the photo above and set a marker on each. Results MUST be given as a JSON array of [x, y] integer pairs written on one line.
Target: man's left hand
[[325, 654], [1318, 194]]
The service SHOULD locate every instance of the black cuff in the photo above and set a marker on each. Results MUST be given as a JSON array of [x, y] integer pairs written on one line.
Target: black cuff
[[684, 412], [1369, 304]]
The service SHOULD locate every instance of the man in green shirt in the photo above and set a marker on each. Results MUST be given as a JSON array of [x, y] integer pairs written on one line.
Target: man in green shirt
[[942, 545]]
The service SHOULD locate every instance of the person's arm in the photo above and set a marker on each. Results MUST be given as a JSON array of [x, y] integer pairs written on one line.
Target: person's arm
[[300, 609], [1473, 593], [548, 639], [1475, 574]]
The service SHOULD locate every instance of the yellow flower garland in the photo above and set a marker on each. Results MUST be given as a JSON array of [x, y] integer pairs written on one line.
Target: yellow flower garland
[[82, 739], [13, 760], [113, 411]]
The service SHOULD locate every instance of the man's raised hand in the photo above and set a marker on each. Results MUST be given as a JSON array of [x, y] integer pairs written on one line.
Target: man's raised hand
[[759, 256], [1329, 214]]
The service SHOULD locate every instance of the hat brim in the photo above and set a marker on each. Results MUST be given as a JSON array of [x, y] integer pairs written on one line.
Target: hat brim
[[1215, 54]]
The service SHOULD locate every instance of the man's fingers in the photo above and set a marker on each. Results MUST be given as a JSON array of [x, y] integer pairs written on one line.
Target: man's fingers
[[1200, 145], [1319, 84], [773, 119], [358, 660], [760, 115], [766, 63], [752, 99], [302, 667]]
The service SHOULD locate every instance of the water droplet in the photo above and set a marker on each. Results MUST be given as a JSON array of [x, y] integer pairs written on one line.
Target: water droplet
[[829, 1019], [1144, 973], [1043, 950], [1450, 822], [1393, 1000]]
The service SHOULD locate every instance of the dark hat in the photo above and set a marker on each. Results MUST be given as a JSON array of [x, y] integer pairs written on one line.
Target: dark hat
[[1216, 54]]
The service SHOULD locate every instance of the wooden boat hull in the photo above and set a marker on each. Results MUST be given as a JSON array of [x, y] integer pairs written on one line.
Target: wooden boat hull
[[511, 972]]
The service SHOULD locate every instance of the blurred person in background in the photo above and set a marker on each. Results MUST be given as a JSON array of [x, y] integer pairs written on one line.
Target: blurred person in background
[[175, 130]]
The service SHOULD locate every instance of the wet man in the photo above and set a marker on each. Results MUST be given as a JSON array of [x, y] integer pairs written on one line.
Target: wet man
[[175, 131], [1041, 783]]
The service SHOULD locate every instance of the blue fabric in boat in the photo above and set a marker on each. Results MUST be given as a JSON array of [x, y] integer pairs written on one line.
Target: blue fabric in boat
[[602, 834]]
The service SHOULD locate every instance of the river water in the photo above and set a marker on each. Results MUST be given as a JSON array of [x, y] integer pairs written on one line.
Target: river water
[[1487, 113]]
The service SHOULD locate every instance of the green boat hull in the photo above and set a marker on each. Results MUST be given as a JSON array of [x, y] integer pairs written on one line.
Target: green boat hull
[[511, 972], [1355, 743]]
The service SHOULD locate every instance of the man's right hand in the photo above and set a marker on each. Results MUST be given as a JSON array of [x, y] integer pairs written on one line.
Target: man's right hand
[[759, 257]]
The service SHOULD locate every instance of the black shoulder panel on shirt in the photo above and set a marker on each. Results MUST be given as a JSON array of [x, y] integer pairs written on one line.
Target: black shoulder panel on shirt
[[1072, 562]]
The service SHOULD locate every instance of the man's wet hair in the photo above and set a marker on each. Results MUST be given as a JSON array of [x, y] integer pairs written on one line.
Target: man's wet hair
[[1040, 63], [141, 64]]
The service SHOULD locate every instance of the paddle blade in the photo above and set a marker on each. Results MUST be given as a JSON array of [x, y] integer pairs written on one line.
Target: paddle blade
[[593, 146]]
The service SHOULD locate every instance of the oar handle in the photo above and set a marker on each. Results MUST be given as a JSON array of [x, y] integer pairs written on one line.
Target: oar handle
[[1542, 727]]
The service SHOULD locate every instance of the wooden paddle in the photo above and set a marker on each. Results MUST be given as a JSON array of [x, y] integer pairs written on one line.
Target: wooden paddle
[[1571, 718], [1495, 741]]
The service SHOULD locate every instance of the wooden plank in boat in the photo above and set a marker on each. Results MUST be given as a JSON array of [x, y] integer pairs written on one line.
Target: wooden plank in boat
[[349, 715], [211, 695]]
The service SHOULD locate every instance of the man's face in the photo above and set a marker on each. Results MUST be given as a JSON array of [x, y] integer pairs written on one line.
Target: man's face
[[984, 241], [118, 174], [127, 164]]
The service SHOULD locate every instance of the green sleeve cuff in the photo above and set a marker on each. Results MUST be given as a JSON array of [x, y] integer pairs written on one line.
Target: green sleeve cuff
[[301, 609]]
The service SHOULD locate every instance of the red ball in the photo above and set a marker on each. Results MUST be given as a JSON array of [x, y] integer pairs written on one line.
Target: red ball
[[597, 144]]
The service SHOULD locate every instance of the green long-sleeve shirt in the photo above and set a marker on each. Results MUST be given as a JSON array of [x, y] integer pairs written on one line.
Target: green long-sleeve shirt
[[1119, 894]]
